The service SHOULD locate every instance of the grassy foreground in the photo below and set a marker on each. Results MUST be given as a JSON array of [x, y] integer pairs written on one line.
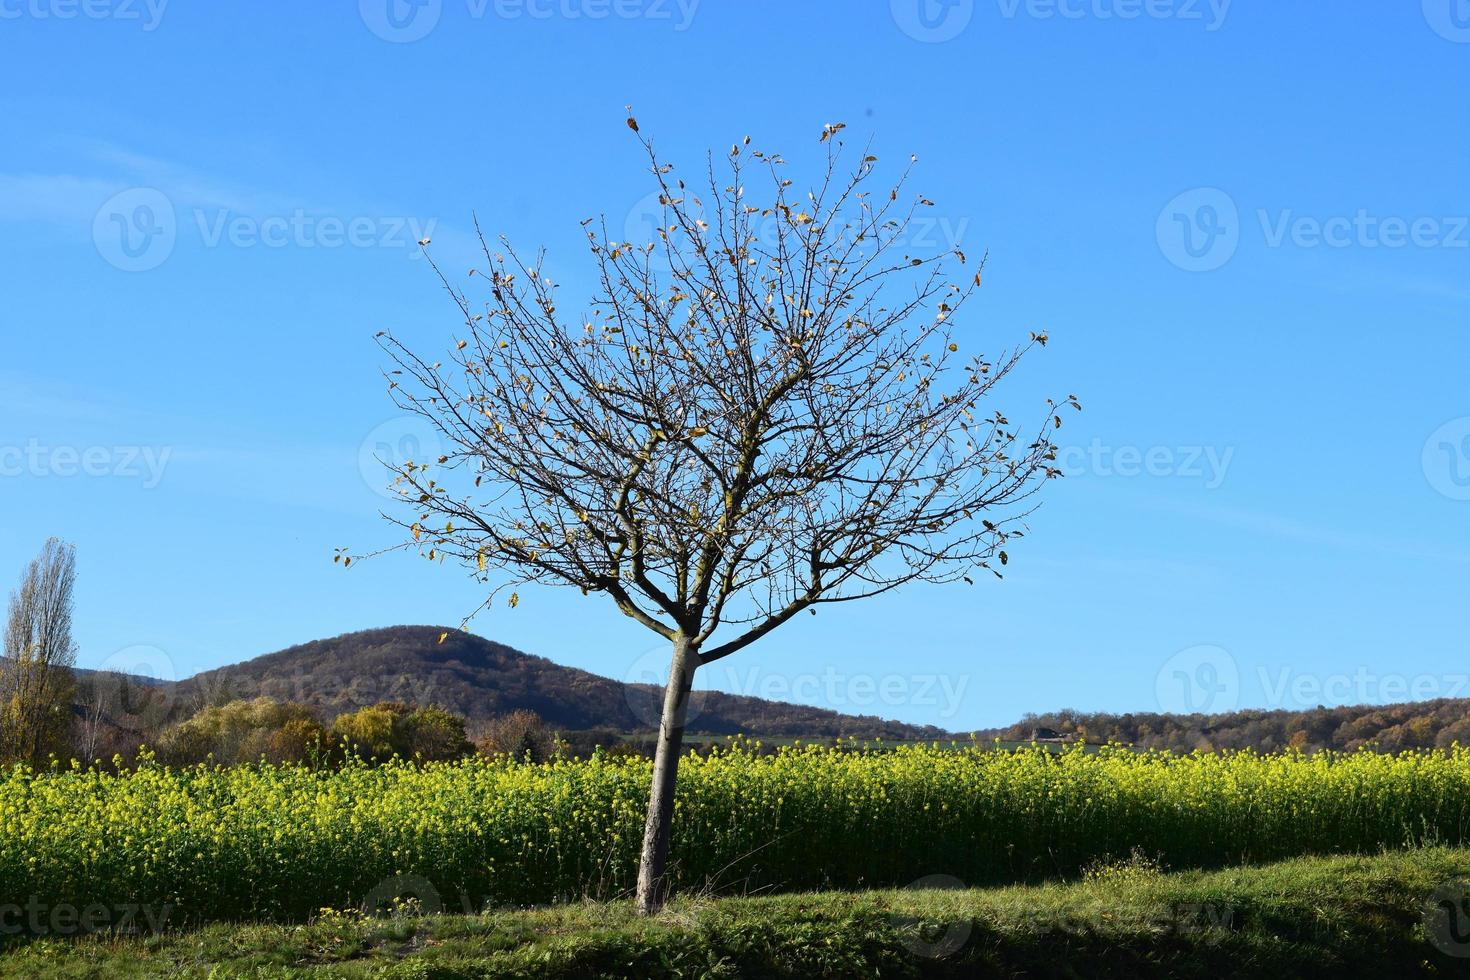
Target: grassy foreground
[[1307, 917]]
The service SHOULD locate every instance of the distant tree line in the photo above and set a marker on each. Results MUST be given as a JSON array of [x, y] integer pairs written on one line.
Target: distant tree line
[[49, 710], [1382, 728], [246, 731], [262, 729]]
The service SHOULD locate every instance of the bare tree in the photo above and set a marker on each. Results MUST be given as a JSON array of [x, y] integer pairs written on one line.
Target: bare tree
[[521, 734], [91, 723], [36, 680], [764, 409], [116, 712]]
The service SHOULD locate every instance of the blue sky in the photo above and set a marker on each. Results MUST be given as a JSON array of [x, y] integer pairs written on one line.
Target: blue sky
[[1243, 224]]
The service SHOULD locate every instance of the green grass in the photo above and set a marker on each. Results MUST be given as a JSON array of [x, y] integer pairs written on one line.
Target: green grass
[[1308, 917]]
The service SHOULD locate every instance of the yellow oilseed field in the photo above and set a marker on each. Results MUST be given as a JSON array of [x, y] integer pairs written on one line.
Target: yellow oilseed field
[[284, 842]]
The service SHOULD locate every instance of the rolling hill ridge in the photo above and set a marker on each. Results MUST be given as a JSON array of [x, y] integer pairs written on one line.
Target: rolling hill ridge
[[480, 679]]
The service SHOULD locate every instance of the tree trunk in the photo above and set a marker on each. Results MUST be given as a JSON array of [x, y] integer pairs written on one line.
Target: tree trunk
[[652, 882]]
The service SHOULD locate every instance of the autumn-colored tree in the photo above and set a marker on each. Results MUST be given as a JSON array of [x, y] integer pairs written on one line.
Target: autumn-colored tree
[[381, 731], [767, 407], [245, 732], [431, 734], [368, 732]]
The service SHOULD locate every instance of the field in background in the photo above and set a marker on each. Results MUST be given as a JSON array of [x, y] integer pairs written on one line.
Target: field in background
[[707, 742]]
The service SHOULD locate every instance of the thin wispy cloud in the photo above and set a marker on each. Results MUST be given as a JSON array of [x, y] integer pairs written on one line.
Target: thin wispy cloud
[[1284, 528], [62, 198], [71, 197], [1379, 280], [26, 397]]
